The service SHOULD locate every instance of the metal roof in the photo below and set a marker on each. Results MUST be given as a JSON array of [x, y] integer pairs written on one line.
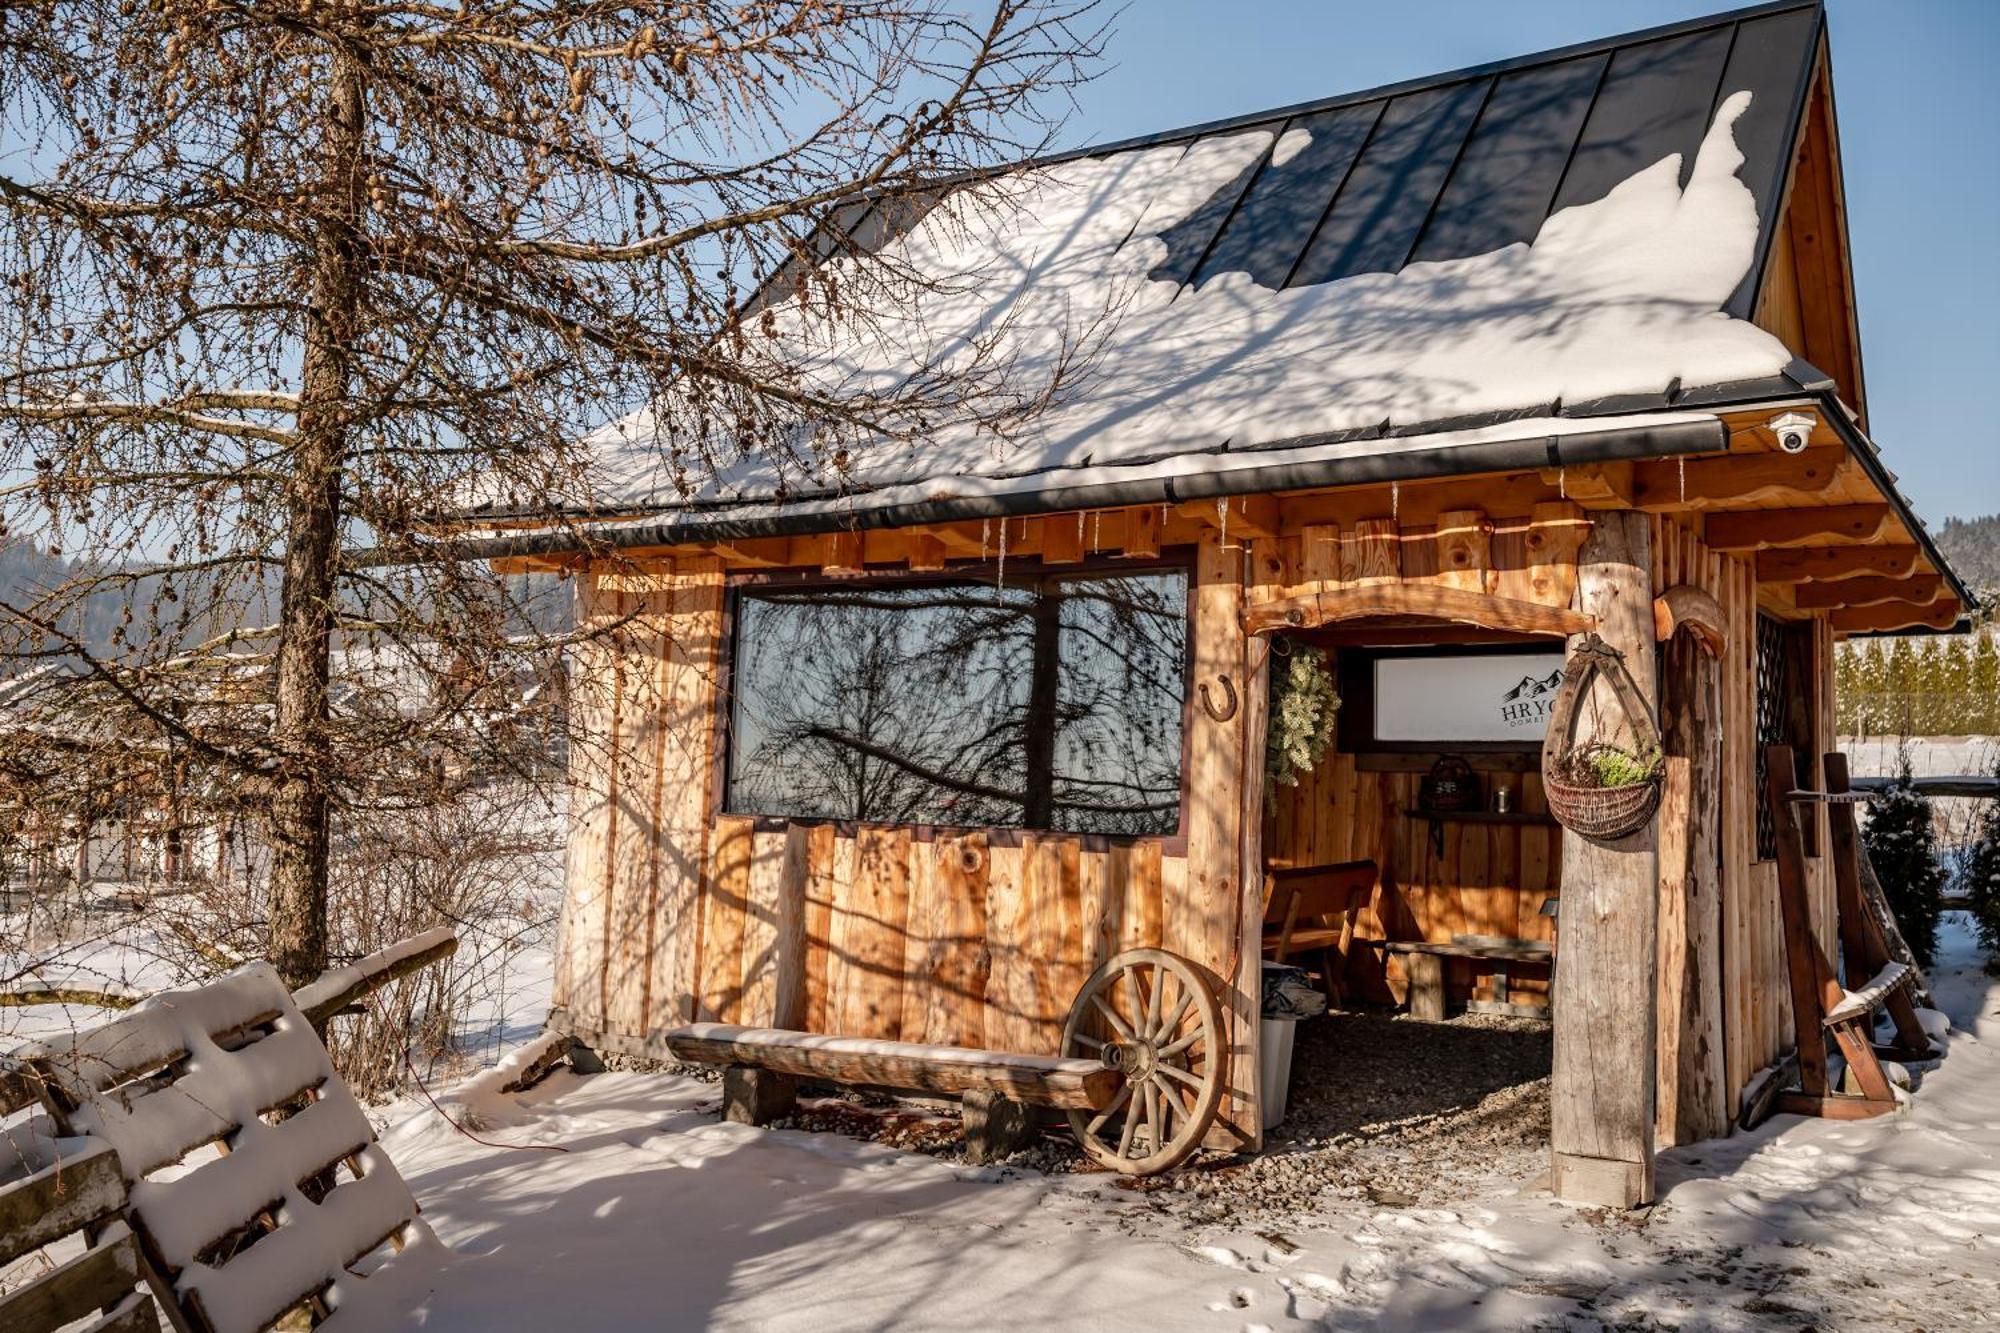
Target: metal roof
[[1444, 167], [1468, 162]]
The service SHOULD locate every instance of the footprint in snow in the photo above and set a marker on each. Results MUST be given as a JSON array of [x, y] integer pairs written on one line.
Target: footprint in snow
[[1239, 1299], [1219, 1255]]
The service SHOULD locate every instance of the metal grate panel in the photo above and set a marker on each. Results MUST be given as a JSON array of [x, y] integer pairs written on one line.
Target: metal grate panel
[[1773, 671]]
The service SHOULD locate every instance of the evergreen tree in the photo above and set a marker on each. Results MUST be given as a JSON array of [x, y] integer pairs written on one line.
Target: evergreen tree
[[1901, 841], [1979, 872], [1900, 683], [1874, 689], [1985, 717]]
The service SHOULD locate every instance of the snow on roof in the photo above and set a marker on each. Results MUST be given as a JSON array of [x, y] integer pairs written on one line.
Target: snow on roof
[[1510, 241]]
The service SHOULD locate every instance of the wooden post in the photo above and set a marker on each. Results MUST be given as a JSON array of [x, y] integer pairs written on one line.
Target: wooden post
[[753, 1096], [1601, 1092], [1692, 1099], [995, 1127], [1426, 986], [1813, 989], [1206, 923]]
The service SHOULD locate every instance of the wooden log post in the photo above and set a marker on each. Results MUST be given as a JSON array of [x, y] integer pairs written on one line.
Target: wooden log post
[[1601, 1092], [1216, 921], [995, 1127], [753, 1096], [1692, 1099]]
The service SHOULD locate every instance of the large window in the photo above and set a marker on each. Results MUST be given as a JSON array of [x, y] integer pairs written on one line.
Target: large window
[[1050, 702]]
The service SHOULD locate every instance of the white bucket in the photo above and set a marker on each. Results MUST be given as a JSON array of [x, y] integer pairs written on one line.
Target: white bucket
[[1275, 1071]]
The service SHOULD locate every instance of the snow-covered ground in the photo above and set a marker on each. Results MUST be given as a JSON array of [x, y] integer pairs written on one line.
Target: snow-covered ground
[[657, 1215], [1930, 756]]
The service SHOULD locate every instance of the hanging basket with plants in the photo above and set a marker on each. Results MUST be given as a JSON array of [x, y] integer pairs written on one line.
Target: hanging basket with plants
[[1595, 788]]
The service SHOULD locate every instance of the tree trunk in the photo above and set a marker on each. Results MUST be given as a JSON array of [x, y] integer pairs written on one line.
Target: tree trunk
[[1044, 685], [1601, 1081], [300, 797]]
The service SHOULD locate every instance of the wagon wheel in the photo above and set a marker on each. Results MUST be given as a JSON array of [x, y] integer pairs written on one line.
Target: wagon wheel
[[1151, 1016]]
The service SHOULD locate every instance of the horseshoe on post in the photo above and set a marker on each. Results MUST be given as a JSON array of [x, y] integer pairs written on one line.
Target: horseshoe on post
[[1228, 709]]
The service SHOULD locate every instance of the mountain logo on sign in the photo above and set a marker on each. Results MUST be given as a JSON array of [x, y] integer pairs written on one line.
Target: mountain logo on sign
[[1531, 701], [1533, 687]]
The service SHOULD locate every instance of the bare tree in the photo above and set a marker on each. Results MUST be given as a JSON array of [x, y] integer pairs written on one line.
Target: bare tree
[[284, 280]]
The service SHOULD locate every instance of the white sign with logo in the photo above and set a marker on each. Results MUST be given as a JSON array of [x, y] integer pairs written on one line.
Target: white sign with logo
[[1471, 697]]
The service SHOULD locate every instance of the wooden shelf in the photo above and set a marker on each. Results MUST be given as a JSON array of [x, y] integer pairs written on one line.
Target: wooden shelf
[[1481, 817]]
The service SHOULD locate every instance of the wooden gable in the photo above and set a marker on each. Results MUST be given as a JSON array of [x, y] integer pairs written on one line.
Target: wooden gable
[[1807, 296]]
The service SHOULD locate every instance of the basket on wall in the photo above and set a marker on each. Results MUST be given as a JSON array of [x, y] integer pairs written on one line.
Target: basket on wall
[[1603, 812]]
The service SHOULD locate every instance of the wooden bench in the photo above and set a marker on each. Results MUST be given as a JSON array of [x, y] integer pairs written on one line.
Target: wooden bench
[[761, 1068], [1425, 961], [82, 1195], [1311, 909]]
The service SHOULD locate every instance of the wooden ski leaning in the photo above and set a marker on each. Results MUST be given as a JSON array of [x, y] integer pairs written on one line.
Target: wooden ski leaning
[[1820, 1005]]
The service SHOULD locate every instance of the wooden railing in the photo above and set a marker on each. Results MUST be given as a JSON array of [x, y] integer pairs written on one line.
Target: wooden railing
[[335, 990]]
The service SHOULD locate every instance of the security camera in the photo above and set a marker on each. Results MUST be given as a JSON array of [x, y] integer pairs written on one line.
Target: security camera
[[1794, 431]]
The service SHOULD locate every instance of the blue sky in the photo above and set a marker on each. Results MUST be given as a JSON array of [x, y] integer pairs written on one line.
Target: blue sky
[[1920, 143]]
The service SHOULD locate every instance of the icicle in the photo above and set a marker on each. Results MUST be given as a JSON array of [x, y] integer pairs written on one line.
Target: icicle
[[1222, 520], [1097, 530], [986, 532], [1079, 527], [1396, 500], [1000, 576], [1682, 461], [1562, 482]]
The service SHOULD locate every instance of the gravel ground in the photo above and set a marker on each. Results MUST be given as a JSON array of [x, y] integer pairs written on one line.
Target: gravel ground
[[1384, 1110]]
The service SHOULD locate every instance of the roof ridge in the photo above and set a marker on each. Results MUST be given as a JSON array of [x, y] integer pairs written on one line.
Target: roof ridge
[[1442, 79]]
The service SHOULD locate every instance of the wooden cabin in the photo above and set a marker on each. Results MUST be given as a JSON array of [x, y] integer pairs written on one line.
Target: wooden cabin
[[1453, 372]]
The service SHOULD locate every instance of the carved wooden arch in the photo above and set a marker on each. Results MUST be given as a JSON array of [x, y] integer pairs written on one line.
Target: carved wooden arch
[[1684, 607], [1430, 601]]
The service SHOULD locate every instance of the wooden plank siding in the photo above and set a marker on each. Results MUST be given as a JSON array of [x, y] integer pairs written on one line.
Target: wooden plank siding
[[675, 911]]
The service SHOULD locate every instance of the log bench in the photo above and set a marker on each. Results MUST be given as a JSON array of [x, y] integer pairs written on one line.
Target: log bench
[[1425, 960], [762, 1068]]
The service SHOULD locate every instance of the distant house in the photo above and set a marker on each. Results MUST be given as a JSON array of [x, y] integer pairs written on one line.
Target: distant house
[[1435, 378]]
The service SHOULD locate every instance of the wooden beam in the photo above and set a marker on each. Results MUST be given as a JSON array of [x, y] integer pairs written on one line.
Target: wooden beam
[[843, 552], [336, 988], [1465, 551], [1832, 563], [927, 551], [1734, 479], [1809, 978], [1601, 1115], [1256, 517], [1594, 483], [1687, 607], [1063, 538], [1429, 600], [756, 553], [1942, 614], [1750, 530], [1142, 532], [1034, 1079], [1372, 552], [1918, 588]]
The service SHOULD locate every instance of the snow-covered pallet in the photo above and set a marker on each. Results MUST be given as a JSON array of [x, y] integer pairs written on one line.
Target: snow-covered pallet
[[299, 1203], [83, 1193]]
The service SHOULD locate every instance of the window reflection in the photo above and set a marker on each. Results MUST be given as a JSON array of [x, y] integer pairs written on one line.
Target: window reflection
[[1052, 703]]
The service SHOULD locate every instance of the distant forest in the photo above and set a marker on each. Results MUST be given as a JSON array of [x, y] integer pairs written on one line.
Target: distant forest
[[1972, 545], [1931, 685], [540, 601]]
